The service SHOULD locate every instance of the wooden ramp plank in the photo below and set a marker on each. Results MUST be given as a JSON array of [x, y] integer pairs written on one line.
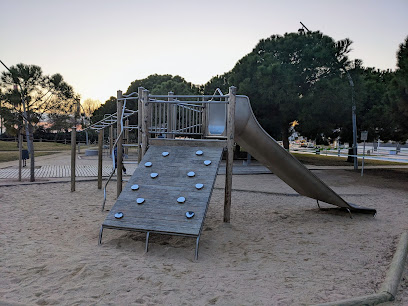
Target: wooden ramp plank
[[160, 212]]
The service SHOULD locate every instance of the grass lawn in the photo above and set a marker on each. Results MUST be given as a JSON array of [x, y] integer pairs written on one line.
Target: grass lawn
[[9, 156], [323, 160], [38, 146]]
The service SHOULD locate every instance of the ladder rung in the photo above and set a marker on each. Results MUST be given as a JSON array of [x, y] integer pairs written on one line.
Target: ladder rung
[[130, 162], [130, 145]]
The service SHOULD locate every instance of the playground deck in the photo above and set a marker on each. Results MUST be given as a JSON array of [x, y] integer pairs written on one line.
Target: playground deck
[[160, 212]]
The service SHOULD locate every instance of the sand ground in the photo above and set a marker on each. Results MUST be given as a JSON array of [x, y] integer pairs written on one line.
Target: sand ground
[[279, 248]]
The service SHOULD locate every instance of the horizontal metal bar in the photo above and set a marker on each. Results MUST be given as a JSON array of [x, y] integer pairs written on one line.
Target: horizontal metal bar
[[188, 96], [129, 145], [181, 102], [130, 162]]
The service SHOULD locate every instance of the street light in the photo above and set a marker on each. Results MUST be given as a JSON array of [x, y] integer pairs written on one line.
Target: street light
[[353, 110]]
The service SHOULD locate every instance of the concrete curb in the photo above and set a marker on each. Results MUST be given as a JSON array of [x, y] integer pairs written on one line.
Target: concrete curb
[[389, 288]]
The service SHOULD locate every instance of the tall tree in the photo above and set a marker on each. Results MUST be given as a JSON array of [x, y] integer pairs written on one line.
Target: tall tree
[[398, 94], [281, 71], [35, 95]]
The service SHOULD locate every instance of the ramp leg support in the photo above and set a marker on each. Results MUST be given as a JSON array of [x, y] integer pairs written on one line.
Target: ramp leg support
[[196, 250], [100, 235], [351, 217], [318, 205], [147, 242]]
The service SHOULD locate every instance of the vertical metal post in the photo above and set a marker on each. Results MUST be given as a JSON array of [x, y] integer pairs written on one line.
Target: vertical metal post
[[354, 120], [126, 140], [139, 123], [230, 152], [204, 127], [145, 121], [100, 148], [110, 139], [171, 118], [362, 165], [119, 144], [73, 157], [20, 150]]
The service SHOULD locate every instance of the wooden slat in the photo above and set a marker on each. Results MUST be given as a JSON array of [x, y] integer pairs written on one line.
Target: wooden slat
[[160, 212]]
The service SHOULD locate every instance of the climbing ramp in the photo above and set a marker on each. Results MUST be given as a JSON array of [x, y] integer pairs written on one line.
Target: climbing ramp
[[168, 193]]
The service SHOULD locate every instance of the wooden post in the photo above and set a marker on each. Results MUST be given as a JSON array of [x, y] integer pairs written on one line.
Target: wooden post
[[100, 147], [119, 143], [139, 123], [145, 121], [230, 152], [73, 157], [20, 150]]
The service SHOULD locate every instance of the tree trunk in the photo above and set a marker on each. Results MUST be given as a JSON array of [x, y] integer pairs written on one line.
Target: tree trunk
[[30, 144], [285, 137]]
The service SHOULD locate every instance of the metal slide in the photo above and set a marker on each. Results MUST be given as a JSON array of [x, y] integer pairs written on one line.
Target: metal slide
[[252, 137]]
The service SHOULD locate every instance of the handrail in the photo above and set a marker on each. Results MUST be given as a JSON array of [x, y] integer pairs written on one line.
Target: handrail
[[104, 188]]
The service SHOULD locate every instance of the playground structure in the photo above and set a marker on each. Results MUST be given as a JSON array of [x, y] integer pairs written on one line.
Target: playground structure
[[174, 124]]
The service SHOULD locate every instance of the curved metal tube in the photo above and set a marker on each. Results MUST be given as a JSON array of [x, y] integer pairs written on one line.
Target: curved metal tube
[[104, 188]]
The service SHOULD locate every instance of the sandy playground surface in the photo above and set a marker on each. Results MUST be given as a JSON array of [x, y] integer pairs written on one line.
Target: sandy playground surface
[[278, 250]]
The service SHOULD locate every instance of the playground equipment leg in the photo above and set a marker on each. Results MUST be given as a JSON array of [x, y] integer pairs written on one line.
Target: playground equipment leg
[[351, 217], [100, 235], [196, 250], [147, 242]]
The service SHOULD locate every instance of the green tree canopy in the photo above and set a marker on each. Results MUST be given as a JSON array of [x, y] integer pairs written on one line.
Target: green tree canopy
[[281, 72], [398, 94], [156, 84]]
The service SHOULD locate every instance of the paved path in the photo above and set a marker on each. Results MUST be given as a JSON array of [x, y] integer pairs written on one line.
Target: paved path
[[58, 166]]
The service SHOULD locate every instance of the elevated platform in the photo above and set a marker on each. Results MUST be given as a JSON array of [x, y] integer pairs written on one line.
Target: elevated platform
[[161, 210]]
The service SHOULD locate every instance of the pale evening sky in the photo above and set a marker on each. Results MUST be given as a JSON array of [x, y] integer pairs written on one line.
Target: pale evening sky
[[101, 46]]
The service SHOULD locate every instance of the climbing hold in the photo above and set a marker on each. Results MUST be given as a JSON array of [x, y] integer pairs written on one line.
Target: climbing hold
[[190, 214], [119, 215]]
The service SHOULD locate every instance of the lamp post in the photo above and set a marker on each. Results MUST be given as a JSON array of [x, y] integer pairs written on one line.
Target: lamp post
[[353, 110], [353, 119]]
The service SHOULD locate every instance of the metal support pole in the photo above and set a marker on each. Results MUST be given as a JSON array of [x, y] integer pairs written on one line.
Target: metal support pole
[[230, 152], [126, 139], [110, 139], [171, 118], [362, 165], [119, 145], [139, 123], [100, 152], [73, 157], [20, 150], [145, 121], [354, 120]]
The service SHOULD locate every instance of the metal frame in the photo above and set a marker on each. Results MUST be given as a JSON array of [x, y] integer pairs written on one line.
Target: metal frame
[[148, 236]]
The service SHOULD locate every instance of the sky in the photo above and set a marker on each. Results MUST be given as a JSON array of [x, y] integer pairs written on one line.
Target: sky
[[101, 46]]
